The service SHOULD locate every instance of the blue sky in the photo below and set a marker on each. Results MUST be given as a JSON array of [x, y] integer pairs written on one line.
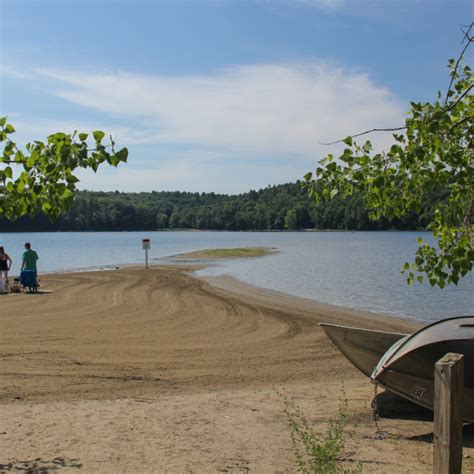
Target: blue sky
[[221, 96]]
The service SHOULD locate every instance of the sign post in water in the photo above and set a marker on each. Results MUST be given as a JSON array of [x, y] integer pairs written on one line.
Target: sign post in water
[[146, 247]]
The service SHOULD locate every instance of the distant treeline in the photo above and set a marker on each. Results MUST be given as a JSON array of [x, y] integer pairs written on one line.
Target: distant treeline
[[281, 207]]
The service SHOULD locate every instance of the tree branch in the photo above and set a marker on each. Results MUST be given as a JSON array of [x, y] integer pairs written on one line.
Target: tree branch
[[465, 119], [405, 127], [459, 98], [367, 132], [470, 39]]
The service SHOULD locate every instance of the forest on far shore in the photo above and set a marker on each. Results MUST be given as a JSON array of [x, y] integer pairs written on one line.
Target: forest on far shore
[[280, 207]]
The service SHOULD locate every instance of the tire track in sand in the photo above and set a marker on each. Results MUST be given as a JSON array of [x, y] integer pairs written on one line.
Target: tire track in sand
[[133, 332]]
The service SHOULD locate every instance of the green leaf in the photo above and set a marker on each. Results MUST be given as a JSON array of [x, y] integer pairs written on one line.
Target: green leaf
[[71, 179], [46, 207], [20, 186], [122, 154], [57, 136], [19, 156], [83, 136], [98, 135], [67, 194]]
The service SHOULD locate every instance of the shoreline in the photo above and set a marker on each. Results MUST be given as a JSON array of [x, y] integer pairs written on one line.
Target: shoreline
[[211, 230], [306, 267], [242, 288], [256, 293], [230, 283]]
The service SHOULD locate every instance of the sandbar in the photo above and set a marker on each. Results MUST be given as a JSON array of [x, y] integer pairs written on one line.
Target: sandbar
[[225, 253]]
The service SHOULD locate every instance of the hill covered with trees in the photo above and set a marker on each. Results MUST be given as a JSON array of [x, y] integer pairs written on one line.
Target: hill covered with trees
[[282, 207]]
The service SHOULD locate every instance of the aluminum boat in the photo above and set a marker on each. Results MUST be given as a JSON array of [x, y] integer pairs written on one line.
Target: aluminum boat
[[407, 368]]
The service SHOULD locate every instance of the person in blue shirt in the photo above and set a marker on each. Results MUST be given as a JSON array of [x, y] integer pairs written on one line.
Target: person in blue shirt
[[30, 257]]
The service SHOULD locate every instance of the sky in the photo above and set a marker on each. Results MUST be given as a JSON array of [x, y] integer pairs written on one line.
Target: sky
[[221, 95]]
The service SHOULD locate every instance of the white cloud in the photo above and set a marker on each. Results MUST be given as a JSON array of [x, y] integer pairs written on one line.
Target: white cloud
[[215, 125], [259, 108]]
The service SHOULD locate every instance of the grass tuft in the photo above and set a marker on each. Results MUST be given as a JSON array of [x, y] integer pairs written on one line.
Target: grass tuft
[[314, 452]]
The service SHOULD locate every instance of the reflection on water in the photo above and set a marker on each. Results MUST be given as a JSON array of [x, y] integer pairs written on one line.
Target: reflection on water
[[354, 269]]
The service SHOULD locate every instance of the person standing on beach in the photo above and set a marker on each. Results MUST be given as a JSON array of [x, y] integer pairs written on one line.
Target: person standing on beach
[[29, 259], [5, 265]]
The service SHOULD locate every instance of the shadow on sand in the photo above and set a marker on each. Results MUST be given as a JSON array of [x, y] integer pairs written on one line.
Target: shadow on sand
[[38, 292], [467, 438], [392, 406], [40, 466]]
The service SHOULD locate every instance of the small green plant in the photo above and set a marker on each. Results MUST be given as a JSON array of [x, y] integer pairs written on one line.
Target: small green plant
[[318, 453]]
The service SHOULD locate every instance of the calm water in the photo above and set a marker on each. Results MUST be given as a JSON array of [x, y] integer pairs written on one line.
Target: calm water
[[353, 269]]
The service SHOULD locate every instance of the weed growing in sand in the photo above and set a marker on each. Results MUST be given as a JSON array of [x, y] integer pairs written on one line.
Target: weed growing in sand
[[314, 452]]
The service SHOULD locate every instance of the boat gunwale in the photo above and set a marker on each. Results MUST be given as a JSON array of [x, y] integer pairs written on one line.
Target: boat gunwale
[[364, 329]]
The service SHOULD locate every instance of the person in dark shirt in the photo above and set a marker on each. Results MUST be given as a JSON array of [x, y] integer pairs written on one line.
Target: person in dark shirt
[[5, 265]]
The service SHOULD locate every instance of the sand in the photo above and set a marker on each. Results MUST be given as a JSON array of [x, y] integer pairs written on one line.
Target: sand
[[158, 371]]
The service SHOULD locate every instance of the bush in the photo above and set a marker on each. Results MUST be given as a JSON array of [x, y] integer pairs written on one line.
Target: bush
[[318, 453]]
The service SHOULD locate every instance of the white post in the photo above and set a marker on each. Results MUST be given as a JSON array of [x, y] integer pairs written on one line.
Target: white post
[[146, 247]]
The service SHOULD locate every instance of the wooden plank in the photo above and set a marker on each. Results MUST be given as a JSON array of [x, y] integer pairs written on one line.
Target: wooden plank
[[448, 414]]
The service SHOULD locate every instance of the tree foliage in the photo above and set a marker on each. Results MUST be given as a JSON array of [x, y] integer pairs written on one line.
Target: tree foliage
[[435, 154], [43, 177], [282, 207]]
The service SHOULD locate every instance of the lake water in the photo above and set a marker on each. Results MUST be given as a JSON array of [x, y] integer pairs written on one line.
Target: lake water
[[354, 269]]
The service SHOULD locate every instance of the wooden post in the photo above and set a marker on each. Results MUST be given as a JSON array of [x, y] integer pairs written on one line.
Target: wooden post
[[448, 414]]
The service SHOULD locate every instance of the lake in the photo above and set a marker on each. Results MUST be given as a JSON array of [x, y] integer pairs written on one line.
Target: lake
[[358, 270]]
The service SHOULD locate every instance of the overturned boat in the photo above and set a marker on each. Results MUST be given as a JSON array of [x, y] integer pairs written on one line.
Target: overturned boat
[[404, 363], [407, 368], [363, 347]]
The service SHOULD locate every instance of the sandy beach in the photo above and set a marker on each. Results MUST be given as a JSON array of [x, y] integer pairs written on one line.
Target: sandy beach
[[143, 371]]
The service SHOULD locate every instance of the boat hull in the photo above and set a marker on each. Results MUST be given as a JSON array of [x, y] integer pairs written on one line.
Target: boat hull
[[407, 369], [362, 347]]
